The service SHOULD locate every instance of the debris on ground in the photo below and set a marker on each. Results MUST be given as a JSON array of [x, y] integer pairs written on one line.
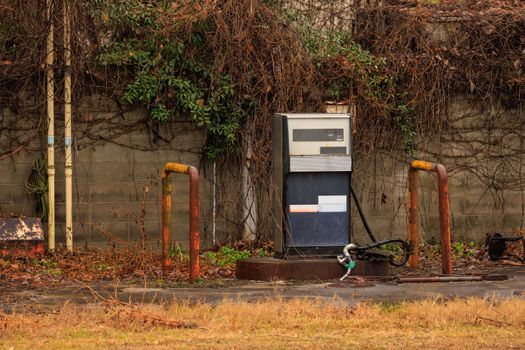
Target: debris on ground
[[136, 265], [127, 263], [128, 314]]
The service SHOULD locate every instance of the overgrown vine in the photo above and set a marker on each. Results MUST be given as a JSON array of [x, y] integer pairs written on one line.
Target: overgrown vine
[[229, 65], [176, 73], [172, 75]]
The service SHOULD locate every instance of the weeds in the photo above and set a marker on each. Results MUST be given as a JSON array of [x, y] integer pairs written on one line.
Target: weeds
[[160, 283], [100, 266], [274, 324], [229, 255], [55, 272], [179, 253], [226, 256], [461, 250]]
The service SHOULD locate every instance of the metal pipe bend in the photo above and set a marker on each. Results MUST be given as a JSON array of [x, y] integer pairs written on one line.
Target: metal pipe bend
[[347, 248]]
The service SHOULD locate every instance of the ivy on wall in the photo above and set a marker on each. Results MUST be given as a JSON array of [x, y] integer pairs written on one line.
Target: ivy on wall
[[359, 74], [226, 65], [171, 73]]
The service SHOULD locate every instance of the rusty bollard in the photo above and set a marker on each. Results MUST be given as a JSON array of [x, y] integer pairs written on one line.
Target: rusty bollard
[[444, 213], [193, 173]]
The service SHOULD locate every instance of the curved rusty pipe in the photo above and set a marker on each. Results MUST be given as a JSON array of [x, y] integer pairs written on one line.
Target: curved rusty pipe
[[444, 213], [168, 169]]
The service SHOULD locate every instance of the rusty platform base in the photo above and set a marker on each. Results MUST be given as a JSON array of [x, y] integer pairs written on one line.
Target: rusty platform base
[[270, 269]]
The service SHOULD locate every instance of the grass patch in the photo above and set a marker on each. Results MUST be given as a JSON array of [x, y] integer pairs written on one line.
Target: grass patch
[[274, 324]]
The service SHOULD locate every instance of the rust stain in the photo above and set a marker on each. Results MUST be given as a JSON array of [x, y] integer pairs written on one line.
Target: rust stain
[[21, 229]]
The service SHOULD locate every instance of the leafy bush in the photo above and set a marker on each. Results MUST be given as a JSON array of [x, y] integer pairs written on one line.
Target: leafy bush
[[172, 75]]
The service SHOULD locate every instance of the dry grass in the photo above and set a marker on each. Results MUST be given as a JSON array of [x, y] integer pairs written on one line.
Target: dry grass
[[274, 324]]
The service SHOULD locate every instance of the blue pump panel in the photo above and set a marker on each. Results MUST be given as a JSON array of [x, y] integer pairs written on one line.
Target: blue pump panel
[[314, 222]]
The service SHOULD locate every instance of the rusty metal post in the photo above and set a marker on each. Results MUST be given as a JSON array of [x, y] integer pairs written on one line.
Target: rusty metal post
[[194, 216], [444, 213], [444, 219], [194, 223], [166, 220], [413, 222]]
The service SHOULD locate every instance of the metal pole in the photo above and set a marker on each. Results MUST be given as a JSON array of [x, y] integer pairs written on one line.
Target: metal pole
[[430, 279], [166, 220], [413, 224], [194, 223], [444, 213], [214, 205], [249, 207], [444, 219], [194, 216], [67, 130], [50, 87]]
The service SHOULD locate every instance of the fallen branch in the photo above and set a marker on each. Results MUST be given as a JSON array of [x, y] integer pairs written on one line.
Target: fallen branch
[[493, 322]]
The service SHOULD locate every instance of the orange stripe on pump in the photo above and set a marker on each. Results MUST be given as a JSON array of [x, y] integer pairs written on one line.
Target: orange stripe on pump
[[304, 208]]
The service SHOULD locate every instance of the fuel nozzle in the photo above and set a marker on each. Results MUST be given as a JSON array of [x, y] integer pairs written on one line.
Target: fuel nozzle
[[346, 259]]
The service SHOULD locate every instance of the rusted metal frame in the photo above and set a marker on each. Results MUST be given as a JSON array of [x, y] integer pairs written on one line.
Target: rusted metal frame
[[463, 278], [21, 237], [193, 173], [444, 213]]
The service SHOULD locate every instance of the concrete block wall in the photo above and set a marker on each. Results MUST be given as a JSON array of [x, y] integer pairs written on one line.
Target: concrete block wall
[[113, 179], [484, 153], [111, 173], [475, 209]]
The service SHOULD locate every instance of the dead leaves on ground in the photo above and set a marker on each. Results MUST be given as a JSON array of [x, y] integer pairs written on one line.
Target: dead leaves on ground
[[101, 265], [148, 319]]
